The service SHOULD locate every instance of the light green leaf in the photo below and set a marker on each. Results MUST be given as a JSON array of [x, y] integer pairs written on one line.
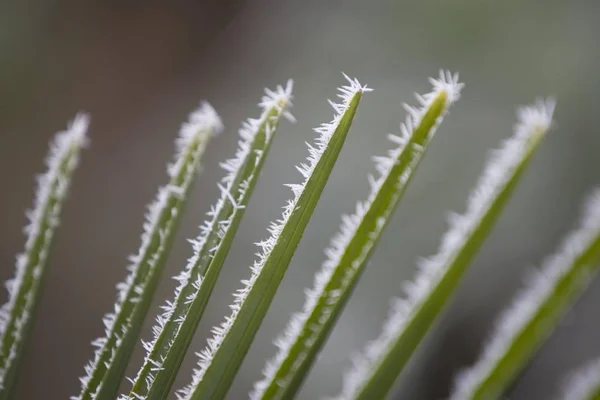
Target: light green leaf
[[351, 248], [536, 311], [176, 327], [17, 315], [221, 360], [376, 370], [105, 372]]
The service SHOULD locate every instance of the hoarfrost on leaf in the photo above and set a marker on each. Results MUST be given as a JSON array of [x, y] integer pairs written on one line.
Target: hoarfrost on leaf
[[158, 226], [540, 286], [23, 289], [584, 383], [532, 121], [266, 246], [446, 86], [232, 194]]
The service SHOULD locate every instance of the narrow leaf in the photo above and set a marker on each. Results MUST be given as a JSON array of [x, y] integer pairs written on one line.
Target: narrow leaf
[[24, 290], [536, 311], [375, 371], [583, 384], [352, 246], [122, 326], [176, 326], [221, 359]]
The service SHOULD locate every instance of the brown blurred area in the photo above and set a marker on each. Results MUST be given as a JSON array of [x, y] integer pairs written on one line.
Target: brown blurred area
[[140, 68], [112, 57]]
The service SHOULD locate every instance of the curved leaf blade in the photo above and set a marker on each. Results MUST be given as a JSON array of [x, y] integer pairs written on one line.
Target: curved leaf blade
[[375, 371], [221, 360], [351, 248], [177, 325], [122, 326], [536, 311], [17, 315]]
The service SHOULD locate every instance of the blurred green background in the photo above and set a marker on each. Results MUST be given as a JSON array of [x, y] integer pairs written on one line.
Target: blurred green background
[[139, 69]]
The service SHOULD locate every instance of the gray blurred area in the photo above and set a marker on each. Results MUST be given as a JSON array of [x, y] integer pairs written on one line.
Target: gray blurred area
[[139, 69]]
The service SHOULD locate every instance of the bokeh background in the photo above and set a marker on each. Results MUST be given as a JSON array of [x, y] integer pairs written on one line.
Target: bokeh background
[[140, 68]]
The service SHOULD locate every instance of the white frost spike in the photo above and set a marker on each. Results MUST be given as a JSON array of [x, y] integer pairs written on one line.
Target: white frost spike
[[279, 99], [201, 123], [538, 290], [316, 150], [448, 84], [532, 121], [584, 383], [43, 221]]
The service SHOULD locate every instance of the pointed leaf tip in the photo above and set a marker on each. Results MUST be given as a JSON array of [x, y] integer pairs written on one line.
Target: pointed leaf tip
[[536, 117], [16, 316]]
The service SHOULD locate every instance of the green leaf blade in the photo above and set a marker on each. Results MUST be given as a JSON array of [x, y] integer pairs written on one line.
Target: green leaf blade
[[178, 324], [17, 315], [376, 370], [536, 311], [221, 360], [352, 246], [106, 370]]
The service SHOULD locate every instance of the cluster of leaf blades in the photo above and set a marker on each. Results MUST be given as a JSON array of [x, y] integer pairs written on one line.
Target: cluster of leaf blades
[[373, 376], [537, 310], [105, 373], [376, 372], [177, 331], [308, 331], [232, 340]]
